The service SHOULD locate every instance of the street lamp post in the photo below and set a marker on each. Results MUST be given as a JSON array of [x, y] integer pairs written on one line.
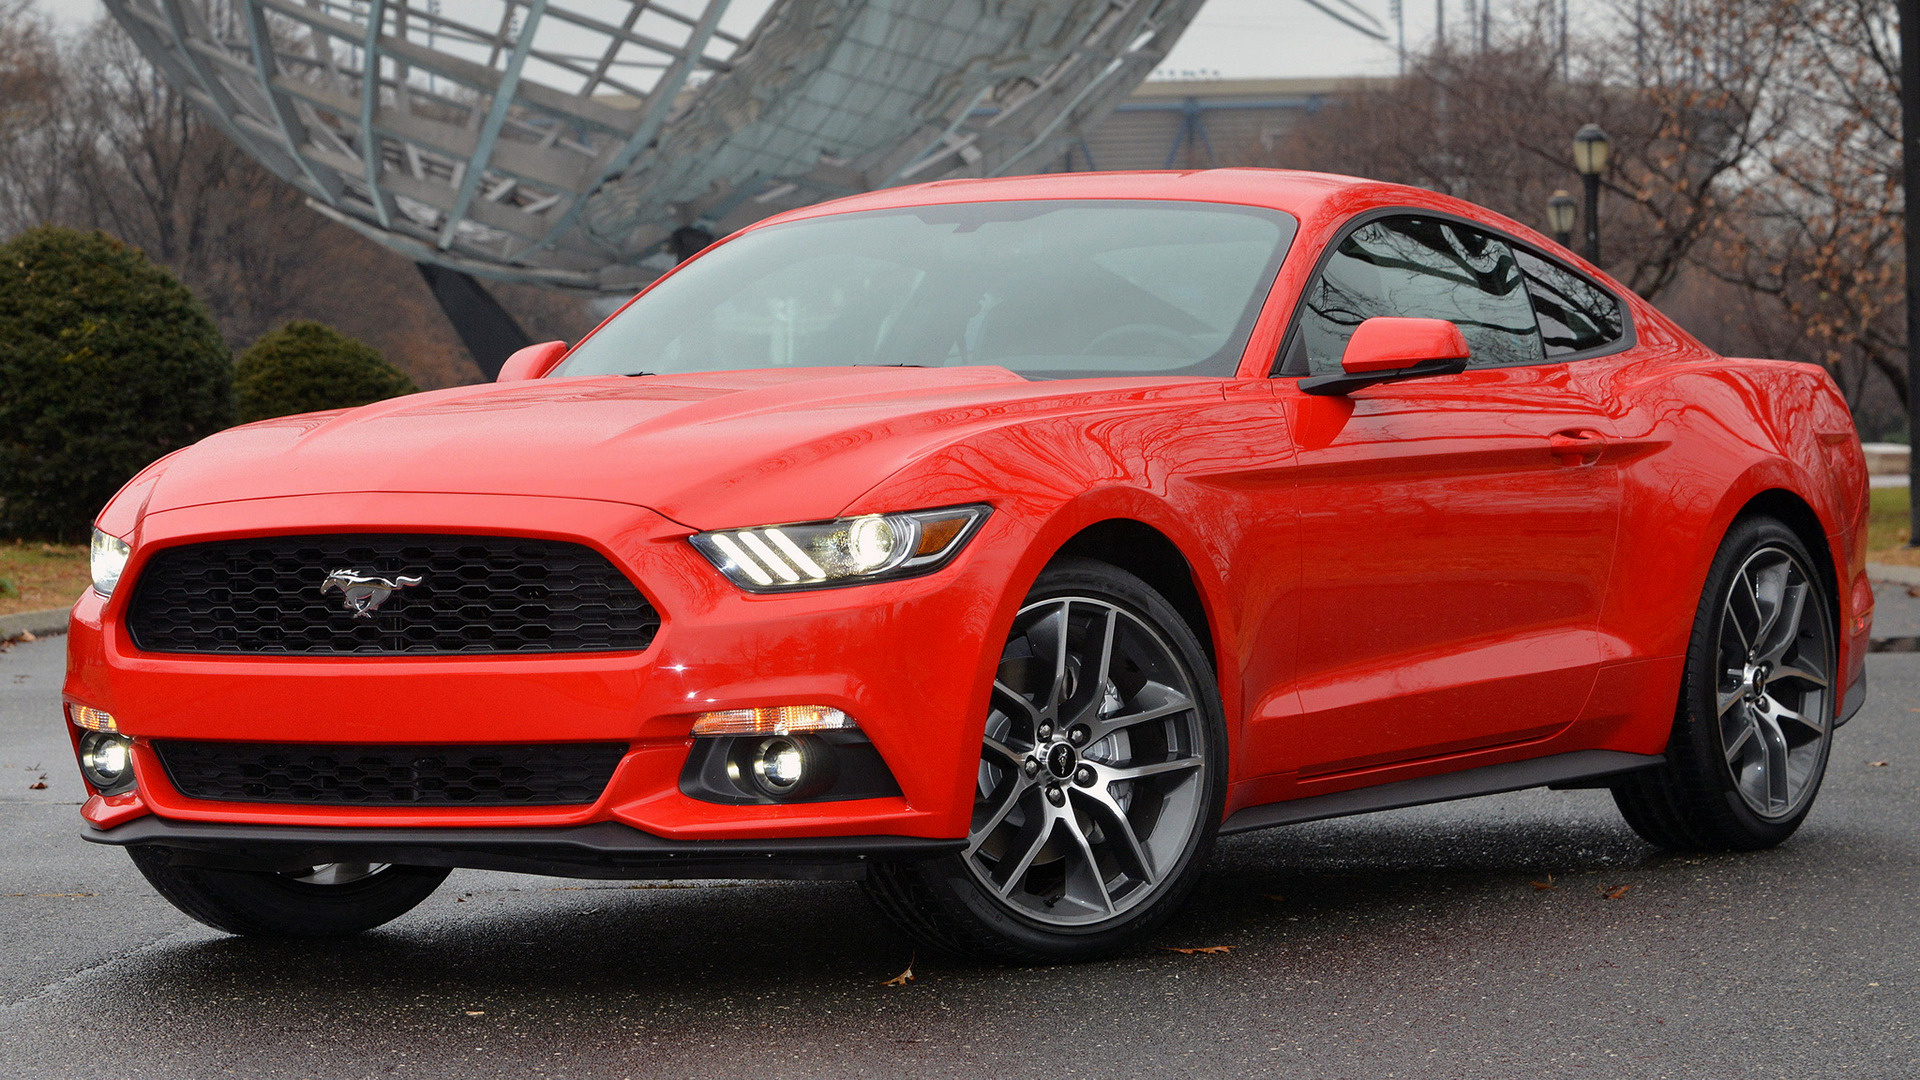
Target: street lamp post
[[1590, 149], [1910, 142], [1560, 210]]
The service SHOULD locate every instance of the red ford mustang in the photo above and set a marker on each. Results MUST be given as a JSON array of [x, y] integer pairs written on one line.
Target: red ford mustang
[[997, 543]]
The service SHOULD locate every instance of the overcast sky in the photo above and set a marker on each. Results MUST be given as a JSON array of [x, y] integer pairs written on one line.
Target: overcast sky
[[1231, 39]]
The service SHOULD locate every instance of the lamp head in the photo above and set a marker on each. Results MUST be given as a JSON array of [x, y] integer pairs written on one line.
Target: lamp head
[[1560, 213], [1590, 150]]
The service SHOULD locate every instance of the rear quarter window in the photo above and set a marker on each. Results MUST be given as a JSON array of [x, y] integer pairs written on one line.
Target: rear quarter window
[[1575, 314]]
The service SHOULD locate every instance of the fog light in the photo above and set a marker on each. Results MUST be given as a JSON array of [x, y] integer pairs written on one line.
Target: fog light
[[106, 760], [780, 764], [786, 767]]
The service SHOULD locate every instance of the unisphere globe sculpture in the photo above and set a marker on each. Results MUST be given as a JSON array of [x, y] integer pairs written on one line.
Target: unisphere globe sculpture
[[565, 141]]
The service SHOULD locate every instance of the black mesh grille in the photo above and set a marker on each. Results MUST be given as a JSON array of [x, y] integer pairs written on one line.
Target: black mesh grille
[[476, 594], [323, 774]]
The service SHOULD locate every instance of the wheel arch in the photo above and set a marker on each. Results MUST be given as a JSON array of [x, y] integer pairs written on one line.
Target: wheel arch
[[1779, 488], [1800, 518], [1798, 515], [1152, 556]]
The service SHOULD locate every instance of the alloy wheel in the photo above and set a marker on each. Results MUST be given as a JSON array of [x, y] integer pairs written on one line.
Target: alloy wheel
[[1775, 668], [1092, 772], [336, 873]]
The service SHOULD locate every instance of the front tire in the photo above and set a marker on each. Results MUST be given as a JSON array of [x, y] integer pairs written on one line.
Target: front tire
[[329, 900], [1101, 780], [1750, 744]]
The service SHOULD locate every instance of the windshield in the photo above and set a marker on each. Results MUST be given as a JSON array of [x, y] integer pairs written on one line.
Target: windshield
[[1053, 289]]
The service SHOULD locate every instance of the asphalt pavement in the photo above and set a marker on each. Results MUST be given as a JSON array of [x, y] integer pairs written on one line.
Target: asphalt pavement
[[1523, 936]]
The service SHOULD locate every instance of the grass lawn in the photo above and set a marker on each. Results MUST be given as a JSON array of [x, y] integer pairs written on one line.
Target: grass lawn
[[1887, 528], [35, 576]]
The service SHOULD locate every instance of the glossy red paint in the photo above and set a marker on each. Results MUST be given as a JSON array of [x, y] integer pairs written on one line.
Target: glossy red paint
[[1418, 577], [532, 361], [1386, 344]]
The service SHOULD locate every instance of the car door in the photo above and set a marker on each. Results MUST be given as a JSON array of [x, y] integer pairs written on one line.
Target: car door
[[1456, 531]]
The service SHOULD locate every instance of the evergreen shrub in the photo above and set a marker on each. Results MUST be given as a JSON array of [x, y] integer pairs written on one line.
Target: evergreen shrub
[[107, 363]]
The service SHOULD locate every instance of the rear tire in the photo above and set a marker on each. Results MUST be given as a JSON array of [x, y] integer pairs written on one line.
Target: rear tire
[[1102, 777], [332, 900], [1755, 725]]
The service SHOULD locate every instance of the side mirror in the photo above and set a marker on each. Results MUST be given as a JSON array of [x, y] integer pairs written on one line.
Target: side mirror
[[532, 361], [1391, 349]]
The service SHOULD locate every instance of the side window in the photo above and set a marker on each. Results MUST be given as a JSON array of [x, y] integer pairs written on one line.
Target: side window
[[1575, 314], [1424, 268]]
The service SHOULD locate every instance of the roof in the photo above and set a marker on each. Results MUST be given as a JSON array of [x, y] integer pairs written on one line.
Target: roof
[[1316, 199], [1280, 189]]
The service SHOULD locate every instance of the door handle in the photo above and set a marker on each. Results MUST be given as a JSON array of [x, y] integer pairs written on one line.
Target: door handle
[[1581, 447]]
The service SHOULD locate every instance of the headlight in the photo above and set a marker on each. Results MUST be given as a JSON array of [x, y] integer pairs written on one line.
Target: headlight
[[845, 551], [109, 558]]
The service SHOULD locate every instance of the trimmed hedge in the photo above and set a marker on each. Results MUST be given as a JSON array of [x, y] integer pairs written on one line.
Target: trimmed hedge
[[307, 367], [107, 362]]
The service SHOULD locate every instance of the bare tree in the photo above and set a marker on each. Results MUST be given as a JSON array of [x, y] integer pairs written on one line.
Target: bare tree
[[39, 135], [1822, 231], [1756, 162], [1686, 120], [92, 137]]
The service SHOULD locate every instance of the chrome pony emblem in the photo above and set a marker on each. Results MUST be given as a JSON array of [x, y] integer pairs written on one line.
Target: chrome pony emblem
[[364, 593]]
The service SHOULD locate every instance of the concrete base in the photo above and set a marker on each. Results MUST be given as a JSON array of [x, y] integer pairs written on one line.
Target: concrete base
[[37, 623], [1898, 575]]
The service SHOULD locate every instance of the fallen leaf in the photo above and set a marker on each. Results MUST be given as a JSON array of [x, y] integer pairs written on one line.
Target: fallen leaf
[[1614, 893], [1877, 764], [27, 635], [1544, 885], [476, 1012], [1207, 949], [1913, 590], [904, 977], [37, 785]]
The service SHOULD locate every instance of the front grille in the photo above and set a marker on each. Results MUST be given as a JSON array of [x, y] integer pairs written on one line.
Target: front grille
[[323, 774], [477, 594]]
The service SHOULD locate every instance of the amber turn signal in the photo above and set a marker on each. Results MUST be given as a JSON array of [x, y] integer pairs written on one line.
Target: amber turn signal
[[773, 720], [936, 535], [88, 718]]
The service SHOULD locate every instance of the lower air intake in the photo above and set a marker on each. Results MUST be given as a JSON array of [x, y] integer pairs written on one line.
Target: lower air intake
[[320, 774]]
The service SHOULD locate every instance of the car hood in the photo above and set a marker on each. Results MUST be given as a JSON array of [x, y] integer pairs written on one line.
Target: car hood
[[707, 450]]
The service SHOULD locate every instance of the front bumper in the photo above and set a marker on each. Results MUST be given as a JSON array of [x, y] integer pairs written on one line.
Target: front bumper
[[906, 659]]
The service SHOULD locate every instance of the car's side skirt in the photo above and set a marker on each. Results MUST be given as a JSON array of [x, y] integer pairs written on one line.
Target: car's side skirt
[[1556, 770]]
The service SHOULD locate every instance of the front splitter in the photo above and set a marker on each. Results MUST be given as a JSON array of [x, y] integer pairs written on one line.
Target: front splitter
[[601, 850]]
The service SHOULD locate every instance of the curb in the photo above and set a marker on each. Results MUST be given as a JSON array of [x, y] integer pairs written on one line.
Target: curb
[[1898, 575], [38, 623]]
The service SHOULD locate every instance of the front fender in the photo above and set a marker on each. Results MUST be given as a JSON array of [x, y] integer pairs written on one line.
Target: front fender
[[1053, 487]]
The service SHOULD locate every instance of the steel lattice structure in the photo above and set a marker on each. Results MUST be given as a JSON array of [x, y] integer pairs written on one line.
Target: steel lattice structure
[[563, 141]]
